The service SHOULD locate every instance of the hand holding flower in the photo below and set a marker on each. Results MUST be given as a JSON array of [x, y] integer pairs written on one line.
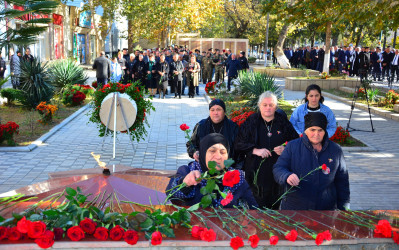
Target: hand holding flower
[[293, 180], [262, 152], [279, 150], [191, 178]]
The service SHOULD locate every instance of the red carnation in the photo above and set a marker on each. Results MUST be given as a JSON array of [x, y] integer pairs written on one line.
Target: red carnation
[[184, 127], [58, 233], [273, 240], [231, 178], [227, 200], [324, 167], [46, 240], [292, 235], [208, 235], [3, 232], [236, 242], [88, 226], [101, 233], [196, 231], [254, 239], [327, 235], [75, 233], [36, 229], [131, 237], [156, 238], [384, 229], [23, 225], [396, 237], [14, 234], [116, 233], [319, 239]]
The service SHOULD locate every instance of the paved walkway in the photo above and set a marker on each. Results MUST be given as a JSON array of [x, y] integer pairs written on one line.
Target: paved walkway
[[374, 176]]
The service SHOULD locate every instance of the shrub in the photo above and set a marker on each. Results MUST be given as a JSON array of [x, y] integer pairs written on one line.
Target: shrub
[[73, 95], [391, 97], [47, 112], [66, 72], [7, 132], [35, 84], [12, 95], [251, 59], [210, 87], [253, 84]]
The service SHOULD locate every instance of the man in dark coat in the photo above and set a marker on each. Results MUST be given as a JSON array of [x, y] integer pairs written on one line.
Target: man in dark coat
[[130, 67], [364, 63], [376, 58], [217, 122], [28, 56], [386, 62], [103, 69], [342, 59], [327, 187], [140, 70], [176, 71], [232, 70], [320, 57]]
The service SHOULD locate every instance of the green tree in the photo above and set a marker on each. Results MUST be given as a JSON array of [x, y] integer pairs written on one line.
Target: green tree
[[29, 30]]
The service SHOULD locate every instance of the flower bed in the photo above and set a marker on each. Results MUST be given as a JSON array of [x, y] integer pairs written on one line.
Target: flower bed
[[293, 72], [135, 92], [7, 132]]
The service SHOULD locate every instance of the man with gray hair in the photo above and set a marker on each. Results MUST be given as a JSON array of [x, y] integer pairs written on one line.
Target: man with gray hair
[[15, 68], [103, 69]]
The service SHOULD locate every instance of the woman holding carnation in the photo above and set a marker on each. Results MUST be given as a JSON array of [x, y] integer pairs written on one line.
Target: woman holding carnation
[[313, 103], [259, 144], [325, 189], [193, 76], [152, 76], [213, 147]]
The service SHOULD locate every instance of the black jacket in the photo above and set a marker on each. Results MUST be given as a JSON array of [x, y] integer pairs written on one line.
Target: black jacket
[[103, 67], [203, 128], [140, 69], [163, 67], [3, 64], [244, 62]]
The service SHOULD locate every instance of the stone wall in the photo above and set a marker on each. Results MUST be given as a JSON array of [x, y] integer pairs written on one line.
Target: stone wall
[[282, 73], [296, 84]]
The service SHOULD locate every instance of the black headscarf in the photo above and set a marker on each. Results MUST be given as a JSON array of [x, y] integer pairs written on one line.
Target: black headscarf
[[207, 142], [217, 102], [315, 119]]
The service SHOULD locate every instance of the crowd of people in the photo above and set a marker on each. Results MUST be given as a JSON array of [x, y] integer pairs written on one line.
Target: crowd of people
[[15, 67], [177, 67], [272, 155], [359, 61]]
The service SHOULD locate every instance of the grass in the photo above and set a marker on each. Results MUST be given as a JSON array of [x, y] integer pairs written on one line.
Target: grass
[[29, 127], [358, 100]]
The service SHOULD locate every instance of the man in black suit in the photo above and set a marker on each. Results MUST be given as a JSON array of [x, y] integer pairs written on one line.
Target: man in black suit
[[386, 62], [103, 69]]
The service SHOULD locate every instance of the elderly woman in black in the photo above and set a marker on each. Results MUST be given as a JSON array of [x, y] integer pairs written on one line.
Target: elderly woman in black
[[259, 142], [213, 147], [324, 189], [217, 122]]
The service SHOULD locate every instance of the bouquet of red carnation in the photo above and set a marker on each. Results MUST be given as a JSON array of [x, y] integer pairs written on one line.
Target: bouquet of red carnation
[[210, 87], [241, 115], [7, 132], [94, 84], [341, 135]]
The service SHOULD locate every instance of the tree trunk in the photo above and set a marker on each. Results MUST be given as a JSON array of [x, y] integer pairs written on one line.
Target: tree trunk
[[130, 43], [335, 38], [326, 64], [278, 49]]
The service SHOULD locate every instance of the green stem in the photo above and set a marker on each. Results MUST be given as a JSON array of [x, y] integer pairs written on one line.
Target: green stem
[[253, 220], [233, 220], [288, 191], [224, 224]]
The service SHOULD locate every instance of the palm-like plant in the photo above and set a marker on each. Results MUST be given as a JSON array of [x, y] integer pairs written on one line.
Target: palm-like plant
[[253, 84], [29, 30], [34, 80], [66, 72]]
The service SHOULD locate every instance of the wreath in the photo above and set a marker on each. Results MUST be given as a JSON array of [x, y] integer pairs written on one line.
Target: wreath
[[135, 92]]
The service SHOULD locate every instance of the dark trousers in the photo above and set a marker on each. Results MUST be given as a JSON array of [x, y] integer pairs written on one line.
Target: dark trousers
[[385, 71], [395, 70], [229, 78], [162, 87], [177, 85], [376, 72], [101, 82]]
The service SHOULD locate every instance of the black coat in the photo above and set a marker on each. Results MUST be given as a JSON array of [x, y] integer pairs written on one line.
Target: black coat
[[233, 67], [266, 191], [2, 65], [364, 61], [317, 191], [140, 69], [130, 66], [103, 67], [163, 67], [204, 127], [243, 62]]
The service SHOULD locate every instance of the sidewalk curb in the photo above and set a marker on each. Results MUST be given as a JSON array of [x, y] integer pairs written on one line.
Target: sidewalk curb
[[44, 137], [374, 110]]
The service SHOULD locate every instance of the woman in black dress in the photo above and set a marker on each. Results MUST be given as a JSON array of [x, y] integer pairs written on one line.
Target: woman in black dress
[[259, 142]]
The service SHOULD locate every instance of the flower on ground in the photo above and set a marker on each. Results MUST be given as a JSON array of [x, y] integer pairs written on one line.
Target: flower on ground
[[131, 237], [101, 233], [227, 200], [75, 233], [396, 237], [36, 229], [3, 232], [14, 234], [116, 233], [46, 240], [319, 239], [88, 226], [383, 229], [254, 240], [273, 240], [292, 235], [208, 235], [236, 242], [58, 233], [156, 238], [23, 225], [196, 231], [327, 235]]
